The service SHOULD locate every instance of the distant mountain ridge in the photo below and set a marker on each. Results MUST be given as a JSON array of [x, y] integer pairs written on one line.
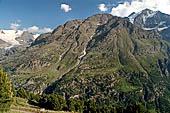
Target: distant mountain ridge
[[16, 37], [12, 41], [152, 20]]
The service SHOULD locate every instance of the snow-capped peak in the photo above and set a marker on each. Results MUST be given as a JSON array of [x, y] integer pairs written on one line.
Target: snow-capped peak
[[146, 20], [10, 36], [145, 15]]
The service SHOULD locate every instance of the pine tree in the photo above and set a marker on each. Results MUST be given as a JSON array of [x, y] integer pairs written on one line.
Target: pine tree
[[5, 91]]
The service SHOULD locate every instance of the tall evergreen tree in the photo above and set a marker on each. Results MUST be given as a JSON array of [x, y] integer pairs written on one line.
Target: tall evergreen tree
[[5, 91]]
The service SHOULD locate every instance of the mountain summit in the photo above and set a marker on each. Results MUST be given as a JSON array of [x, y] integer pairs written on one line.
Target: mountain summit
[[152, 20]]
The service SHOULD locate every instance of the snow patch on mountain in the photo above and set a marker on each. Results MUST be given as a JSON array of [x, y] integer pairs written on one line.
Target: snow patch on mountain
[[158, 27], [36, 35], [148, 15], [84, 52], [163, 28]]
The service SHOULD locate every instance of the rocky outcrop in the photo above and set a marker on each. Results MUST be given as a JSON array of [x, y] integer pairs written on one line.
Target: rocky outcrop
[[25, 38]]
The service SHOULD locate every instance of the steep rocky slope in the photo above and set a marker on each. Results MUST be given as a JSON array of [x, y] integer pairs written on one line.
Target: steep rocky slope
[[123, 63], [102, 57], [25, 38], [3, 45], [53, 54]]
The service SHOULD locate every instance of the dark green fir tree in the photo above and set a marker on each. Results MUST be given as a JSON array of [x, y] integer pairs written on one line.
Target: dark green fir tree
[[6, 93]]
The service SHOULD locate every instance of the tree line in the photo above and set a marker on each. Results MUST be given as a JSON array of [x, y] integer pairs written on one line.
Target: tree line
[[57, 102]]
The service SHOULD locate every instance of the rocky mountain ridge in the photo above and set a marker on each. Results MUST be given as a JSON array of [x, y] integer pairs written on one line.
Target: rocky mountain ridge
[[152, 21]]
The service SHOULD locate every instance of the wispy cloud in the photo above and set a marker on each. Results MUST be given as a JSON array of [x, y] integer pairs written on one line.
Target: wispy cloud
[[14, 26], [36, 29], [102, 7], [126, 8], [66, 7]]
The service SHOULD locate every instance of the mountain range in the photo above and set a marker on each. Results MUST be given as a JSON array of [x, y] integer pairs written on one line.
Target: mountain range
[[105, 58], [12, 41], [16, 37]]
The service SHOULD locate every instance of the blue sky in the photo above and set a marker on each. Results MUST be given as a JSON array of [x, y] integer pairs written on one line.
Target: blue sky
[[46, 13], [40, 14]]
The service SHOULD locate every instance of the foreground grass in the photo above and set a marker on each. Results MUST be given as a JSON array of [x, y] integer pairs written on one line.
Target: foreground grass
[[21, 106]]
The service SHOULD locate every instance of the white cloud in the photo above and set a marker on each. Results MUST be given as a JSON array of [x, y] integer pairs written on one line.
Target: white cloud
[[102, 7], [45, 30], [65, 7], [35, 29], [14, 26], [126, 8]]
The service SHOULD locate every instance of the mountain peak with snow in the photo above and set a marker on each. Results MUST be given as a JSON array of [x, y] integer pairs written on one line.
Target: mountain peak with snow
[[145, 14], [14, 37], [152, 20]]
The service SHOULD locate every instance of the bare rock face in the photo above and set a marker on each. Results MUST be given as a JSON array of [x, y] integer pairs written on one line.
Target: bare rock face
[[25, 38], [3, 45]]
